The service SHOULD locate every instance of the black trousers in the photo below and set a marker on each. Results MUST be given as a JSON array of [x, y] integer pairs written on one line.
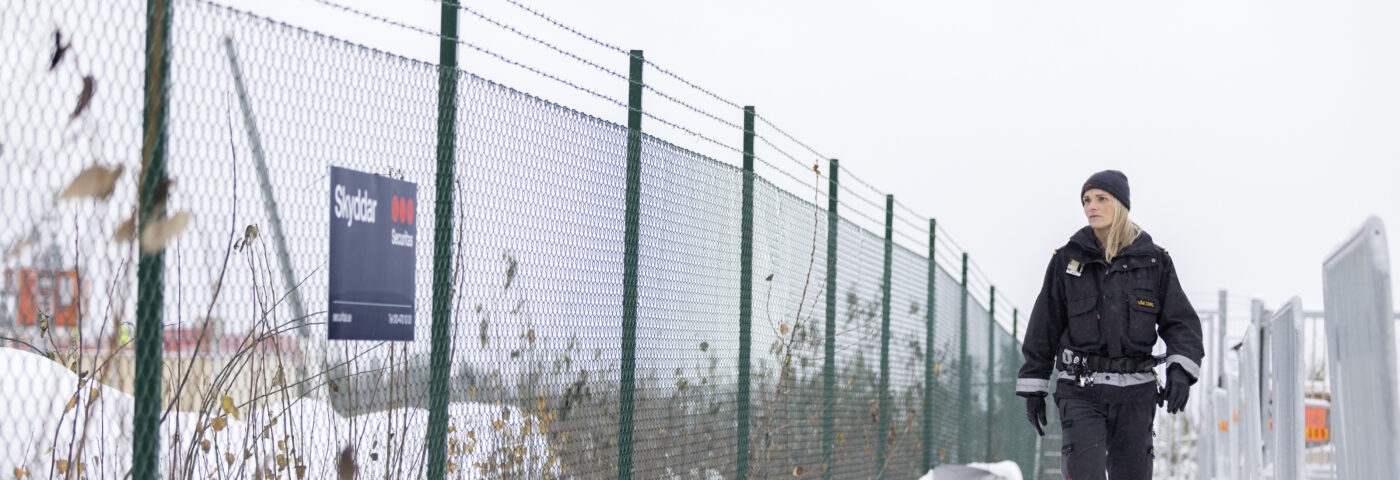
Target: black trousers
[[1107, 430]]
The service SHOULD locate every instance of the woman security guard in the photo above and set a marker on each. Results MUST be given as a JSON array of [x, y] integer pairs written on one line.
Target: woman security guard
[[1108, 294]]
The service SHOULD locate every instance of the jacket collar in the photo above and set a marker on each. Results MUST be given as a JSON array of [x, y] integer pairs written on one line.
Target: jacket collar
[[1085, 240]]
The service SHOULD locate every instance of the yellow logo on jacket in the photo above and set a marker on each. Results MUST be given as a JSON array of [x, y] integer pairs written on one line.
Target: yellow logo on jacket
[[1145, 303]]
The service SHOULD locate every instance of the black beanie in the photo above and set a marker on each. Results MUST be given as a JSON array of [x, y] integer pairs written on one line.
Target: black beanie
[[1112, 181]]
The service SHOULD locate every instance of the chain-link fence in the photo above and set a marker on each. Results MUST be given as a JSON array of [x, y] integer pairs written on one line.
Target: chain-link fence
[[597, 301]]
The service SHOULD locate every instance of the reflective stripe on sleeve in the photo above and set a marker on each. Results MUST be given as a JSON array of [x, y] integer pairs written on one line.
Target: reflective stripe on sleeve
[[1032, 385], [1186, 363]]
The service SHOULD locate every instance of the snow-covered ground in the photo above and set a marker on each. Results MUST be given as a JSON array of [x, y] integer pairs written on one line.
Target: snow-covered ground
[[53, 421]]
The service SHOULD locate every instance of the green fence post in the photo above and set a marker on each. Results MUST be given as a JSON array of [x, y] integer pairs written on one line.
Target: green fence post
[[628, 381], [1015, 324], [829, 363], [991, 368], [884, 393], [150, 269], [928, 349], [440, 360], [964, 373], [745, 300]]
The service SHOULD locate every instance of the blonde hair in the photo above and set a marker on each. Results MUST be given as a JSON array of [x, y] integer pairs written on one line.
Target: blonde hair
[[1121, 232]]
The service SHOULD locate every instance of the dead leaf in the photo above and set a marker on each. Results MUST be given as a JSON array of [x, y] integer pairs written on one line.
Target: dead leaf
[[345, 468], [797, 472], [83, 98], [96, 181], [20, 473], [281, 462], [126, 230], [226, 403], [530, 335], [204, 445], [783, 328], [72, 402], [228, 458], [62, 466], [159, 232], [218, 423], [278, 378], [59, 48]]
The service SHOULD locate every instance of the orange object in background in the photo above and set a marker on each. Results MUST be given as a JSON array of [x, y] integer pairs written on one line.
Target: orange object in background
[[1315, 419], [52, 293]]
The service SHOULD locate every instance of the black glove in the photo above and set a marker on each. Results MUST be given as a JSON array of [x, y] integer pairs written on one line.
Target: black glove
[[1178, 388], [1035, 412]]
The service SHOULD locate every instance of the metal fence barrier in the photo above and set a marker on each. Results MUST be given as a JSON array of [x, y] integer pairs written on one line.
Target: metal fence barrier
[[1307, 401], [592, 301], [1286, 382], [1361, 355]]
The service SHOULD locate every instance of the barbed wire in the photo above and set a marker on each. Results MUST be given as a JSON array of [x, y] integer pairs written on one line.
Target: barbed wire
[[658, 67], [691, 107], [467, 44], [877, 205], [532, 38], [911, 238], [689, 84], [765, 141], [370, 16], [784, 133], [567, 28], [543, 73]]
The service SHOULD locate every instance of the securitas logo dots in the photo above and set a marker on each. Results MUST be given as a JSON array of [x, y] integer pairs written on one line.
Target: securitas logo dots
[[402, 210]]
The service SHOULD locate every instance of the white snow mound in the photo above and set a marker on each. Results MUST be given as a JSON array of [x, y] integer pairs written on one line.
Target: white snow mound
[[40, 433]]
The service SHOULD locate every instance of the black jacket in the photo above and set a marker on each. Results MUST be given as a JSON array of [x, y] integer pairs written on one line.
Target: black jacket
[[1114, 311]]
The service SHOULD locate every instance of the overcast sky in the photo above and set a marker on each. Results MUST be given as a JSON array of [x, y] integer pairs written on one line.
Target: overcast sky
[[1256, 135]]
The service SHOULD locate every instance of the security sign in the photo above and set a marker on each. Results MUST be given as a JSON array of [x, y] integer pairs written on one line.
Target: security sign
[[373, 239]]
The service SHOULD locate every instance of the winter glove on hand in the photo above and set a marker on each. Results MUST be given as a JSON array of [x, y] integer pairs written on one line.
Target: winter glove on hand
[[1178, 388], [1035, 412]]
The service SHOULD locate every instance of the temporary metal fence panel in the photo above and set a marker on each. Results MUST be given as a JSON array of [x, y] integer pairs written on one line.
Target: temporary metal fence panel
[[1361, 355], [1286, 349], [1247, 407]]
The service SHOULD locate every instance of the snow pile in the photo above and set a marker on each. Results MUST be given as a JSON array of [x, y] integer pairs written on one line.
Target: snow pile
[[1003, 470], [46, 427]]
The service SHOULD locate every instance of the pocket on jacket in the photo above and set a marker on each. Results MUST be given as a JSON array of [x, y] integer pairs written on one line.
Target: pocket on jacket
[[1083, 322], [1142, 320]]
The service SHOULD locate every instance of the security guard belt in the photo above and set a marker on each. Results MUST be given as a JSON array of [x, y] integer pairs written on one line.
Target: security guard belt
[[1081, 363]]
